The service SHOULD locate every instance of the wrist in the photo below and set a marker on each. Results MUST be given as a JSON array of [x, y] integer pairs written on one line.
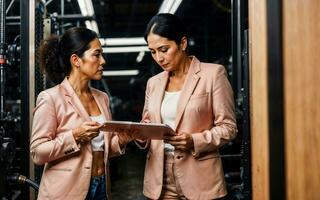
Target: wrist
[[75, 133], [123, 140]]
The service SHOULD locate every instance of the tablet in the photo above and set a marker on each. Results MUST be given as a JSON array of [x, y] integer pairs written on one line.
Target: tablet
[[155, 131]]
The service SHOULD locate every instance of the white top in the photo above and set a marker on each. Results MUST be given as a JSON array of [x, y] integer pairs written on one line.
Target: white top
[[168, 114], [97, 143]]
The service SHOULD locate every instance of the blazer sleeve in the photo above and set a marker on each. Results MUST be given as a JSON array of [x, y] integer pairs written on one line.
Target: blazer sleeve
[[224, 123], [46, 144], [114, 146], [143, 144]]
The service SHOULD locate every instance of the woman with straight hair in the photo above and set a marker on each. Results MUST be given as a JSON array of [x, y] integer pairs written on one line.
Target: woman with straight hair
[[196, 100]]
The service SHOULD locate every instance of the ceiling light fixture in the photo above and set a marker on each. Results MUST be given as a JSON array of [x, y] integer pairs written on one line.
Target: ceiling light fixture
[[133, 72], [86, 9], [140, 56], [83, 8], [125, 49], [124, 45], [123, 41], [169, 6]]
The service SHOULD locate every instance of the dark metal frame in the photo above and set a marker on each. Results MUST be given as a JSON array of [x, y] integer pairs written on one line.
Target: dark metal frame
[[3, 65], [275, 101], [246, 140], [3, 57], [25, 91], [240, 83]]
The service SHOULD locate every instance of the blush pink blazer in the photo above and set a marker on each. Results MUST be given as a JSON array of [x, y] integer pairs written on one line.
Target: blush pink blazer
[[67, 165], [206, 110]]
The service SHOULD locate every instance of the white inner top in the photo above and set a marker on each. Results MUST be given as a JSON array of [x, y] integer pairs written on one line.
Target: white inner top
[[168, 114], [97, 143]]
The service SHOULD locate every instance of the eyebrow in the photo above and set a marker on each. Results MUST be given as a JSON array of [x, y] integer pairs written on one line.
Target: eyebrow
[[165, 45], [98, 50]]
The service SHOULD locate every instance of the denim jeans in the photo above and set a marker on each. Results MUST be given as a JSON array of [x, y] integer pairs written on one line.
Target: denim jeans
[[97, 189]]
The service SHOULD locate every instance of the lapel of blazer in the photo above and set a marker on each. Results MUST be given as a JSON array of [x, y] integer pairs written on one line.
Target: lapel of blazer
[[189, 85], [159, 92], [101, 104], [73, 100], [99, 98]]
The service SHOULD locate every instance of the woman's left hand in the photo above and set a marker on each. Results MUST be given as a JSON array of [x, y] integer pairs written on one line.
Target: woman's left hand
[[182, 141], [125, 137]]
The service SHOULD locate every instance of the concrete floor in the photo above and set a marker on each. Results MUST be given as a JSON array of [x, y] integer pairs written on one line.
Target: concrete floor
[[126, 174]]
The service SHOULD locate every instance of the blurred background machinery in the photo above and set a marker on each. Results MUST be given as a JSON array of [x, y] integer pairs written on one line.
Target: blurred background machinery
[[14, 135], [217, 33]]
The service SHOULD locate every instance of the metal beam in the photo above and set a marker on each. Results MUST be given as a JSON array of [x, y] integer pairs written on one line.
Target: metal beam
[[275, 101]]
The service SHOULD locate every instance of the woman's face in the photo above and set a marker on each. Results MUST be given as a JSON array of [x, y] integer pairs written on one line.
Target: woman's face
[[92, 61], [167, 53]]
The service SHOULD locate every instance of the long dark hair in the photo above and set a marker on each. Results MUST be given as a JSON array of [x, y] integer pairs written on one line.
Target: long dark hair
[[55, 51], [166, 25]]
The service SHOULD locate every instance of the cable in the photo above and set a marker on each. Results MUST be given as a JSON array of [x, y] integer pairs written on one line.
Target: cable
[[20, 179], [32, 184]]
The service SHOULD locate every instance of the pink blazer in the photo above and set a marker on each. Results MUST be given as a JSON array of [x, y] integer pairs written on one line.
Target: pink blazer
[[67, 169], [205, 109]]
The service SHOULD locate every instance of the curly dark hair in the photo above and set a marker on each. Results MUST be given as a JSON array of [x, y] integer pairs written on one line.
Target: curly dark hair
[[55, 51]]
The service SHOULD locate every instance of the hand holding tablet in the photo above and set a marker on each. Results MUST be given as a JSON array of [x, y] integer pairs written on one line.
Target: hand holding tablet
[[155, 131]]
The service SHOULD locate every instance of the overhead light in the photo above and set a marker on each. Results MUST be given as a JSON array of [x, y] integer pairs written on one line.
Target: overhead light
[[169, 6], [140, 56], [125, 49], [125, 41], [164, 6], [83, 8], [89, 7], [86, 9], [88, 24], [121, 73], [94, 26], [124, 45]]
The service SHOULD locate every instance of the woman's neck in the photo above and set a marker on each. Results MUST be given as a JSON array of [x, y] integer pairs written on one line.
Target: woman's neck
[[183, 69], [79, 86]]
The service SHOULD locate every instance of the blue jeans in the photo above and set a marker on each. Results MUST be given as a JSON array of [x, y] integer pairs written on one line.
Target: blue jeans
[[97, 189]]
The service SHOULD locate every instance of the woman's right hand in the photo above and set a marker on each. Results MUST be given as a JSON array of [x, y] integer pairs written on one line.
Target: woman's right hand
[[86, 132]]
